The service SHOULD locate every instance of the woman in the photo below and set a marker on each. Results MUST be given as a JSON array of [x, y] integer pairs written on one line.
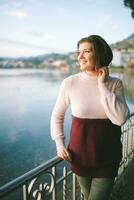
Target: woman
[[98, 111]]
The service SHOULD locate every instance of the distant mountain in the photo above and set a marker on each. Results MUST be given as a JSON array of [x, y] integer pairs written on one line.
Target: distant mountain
[[52, 60], [123, 52], [131, 37], [127, 43], [56, 60]]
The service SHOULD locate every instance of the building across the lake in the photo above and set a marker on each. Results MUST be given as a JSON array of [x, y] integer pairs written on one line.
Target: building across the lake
[[123, 57]]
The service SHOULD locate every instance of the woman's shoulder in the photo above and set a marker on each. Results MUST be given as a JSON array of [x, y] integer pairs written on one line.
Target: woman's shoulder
[[69, 79], [114, 82], [113, 79]]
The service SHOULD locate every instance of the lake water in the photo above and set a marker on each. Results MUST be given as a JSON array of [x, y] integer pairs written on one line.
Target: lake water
[[27, 97]]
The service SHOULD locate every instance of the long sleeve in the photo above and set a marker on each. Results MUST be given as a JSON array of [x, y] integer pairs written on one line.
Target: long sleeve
[[114, 102], [58, 115]]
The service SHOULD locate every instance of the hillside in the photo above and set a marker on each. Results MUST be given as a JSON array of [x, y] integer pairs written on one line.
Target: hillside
[[127, 43], [65, 61]]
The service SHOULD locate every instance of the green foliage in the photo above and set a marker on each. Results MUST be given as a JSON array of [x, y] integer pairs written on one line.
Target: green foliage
[[130, 4]]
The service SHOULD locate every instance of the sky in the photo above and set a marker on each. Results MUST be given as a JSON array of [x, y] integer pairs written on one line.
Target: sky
[[37, 27]]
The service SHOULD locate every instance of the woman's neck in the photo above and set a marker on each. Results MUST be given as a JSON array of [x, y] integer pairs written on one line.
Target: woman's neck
[[91, 73]]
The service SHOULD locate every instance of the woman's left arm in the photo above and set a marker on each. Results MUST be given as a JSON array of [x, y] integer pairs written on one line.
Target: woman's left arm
[[114, 103]]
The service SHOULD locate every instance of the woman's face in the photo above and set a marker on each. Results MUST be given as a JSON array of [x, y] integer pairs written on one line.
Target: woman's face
[[86, 56]]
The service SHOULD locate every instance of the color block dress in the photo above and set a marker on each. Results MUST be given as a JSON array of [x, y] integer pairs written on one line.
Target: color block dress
[[98, 111]]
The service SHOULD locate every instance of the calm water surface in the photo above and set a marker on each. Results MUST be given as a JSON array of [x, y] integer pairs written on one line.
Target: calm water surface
[[27, 98]]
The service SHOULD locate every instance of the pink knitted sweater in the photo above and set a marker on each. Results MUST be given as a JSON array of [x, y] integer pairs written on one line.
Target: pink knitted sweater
[[88, 99]]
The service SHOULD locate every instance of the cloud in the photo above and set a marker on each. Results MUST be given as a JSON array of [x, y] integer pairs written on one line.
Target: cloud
[[13, 9], [19, 14]]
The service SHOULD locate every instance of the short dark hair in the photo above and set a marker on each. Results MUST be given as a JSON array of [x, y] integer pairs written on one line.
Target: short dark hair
[[102, 50]]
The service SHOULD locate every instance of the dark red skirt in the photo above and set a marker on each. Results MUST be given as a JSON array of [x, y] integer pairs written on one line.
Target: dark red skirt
[[95, 147]]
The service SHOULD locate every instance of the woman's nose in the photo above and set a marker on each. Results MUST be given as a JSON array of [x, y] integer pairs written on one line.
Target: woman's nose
[[81, 55]]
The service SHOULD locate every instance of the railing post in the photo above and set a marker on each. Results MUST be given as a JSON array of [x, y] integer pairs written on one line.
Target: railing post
[[64, 183], [74, 186], [127, 152], [54, 189], [25, 192], [132, 142], [129, 142], [124, 149], [82, 196]]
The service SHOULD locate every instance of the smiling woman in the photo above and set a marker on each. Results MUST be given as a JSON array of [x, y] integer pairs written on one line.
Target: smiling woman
[[98, 50], [98, 111], [86, 56]]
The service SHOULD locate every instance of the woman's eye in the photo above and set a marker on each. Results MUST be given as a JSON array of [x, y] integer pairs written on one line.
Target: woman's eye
[[86, 51], [83, 52]]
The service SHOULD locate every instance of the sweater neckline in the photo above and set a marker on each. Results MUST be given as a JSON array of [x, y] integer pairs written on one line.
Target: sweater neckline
[[87, 77]]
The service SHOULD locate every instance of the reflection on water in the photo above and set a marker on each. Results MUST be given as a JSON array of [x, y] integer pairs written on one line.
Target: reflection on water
[[27, 98]]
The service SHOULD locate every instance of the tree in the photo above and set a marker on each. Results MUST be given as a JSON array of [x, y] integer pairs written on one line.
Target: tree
[[130, 4]]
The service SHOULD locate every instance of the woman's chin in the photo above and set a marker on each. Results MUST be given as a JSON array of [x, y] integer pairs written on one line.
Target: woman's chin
[[85, 68]]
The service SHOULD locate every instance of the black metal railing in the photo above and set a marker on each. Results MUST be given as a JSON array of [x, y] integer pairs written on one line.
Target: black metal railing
[[53, 180], [127, 140]]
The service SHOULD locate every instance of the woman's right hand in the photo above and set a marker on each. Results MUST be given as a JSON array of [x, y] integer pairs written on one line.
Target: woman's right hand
[[63, 153], [103, 73]]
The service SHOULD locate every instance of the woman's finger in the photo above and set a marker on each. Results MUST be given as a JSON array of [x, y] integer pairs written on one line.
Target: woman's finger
[[68, 156], [62, 154]]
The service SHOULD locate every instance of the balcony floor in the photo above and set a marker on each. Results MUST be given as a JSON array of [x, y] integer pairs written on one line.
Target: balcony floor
[[124, 187]]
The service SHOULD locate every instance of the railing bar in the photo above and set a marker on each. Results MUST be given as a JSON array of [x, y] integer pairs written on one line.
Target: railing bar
[[16, 183], [62, 178], [54, 190], [82, 196], [25, 192], [74, 187], [127, 136], [64, 183]]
